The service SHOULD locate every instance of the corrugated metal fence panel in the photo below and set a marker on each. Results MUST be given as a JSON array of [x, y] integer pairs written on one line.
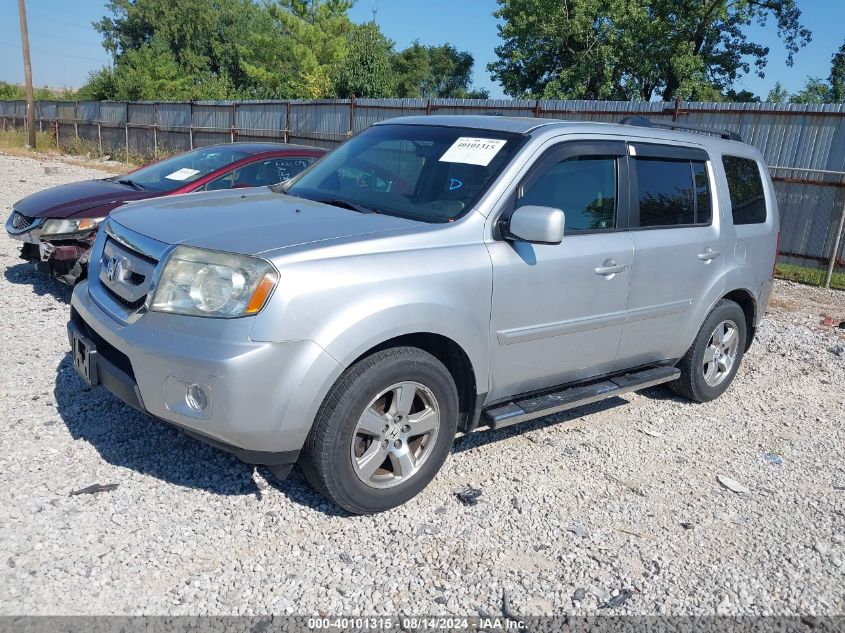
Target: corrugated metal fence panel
[[113, 116], [809, 219], [212, 122], [177, 115], [174, 120], [66, 117], [113, 113], [46, 110], [141, 117], [371, 111], [88, 114], [261, 121], [321, 123]]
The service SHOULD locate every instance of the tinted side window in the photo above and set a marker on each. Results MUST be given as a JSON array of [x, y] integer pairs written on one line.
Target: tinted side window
[[673, 192], [584, 187], [665, 192], [748, 203]]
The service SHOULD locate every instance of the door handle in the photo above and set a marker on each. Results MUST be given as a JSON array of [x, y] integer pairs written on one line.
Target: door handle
[[609, 268], [708, 254]]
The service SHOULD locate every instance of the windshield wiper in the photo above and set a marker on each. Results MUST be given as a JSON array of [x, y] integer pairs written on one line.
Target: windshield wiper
[[352, 206], [131, 183]]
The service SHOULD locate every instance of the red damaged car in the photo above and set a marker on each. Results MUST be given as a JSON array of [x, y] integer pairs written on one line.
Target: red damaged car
[[58, 225]]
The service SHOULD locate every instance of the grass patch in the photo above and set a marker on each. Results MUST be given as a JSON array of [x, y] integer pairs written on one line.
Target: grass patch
[[16, 139], [809, 276], [14, 142]]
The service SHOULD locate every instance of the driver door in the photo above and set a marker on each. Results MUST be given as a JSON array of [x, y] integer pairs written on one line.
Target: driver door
[[558, 310]]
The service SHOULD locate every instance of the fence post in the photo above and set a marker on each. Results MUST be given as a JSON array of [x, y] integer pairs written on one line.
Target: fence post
[[287, 122], [191, 126], [234, 119], [99, 130], [835, 253], [155, 130], [351, 115], [75, 119]]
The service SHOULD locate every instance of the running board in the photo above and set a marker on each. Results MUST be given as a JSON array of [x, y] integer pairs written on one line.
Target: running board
[[538, 406]]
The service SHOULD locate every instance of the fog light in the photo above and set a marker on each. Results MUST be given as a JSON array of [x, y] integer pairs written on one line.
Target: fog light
[[196, 398]]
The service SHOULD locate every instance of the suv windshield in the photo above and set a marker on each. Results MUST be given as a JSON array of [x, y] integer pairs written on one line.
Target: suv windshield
[[422, 172], [176, 171]]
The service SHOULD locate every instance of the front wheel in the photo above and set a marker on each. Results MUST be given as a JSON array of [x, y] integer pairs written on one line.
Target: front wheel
[[383, 431], [709, 367]]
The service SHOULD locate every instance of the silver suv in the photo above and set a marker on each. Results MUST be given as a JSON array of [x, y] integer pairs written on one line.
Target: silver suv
[[432, 275]]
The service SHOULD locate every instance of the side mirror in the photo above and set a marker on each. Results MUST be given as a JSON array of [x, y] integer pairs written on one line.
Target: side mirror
[[535, 224]]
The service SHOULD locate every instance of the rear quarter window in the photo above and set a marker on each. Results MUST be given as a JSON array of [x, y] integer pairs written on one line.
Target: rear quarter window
[[745, 186]]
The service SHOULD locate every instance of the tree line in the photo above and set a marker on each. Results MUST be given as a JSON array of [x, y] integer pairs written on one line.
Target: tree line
[[638, 50], [284, 49]]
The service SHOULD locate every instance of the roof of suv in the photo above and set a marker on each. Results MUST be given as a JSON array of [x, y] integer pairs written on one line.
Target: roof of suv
[[526, 125]]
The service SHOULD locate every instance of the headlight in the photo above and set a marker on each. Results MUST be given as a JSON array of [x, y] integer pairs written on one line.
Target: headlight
[[198, 282], [67, 227]]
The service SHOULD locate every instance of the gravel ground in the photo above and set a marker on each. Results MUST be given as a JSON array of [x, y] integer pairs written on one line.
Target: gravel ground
[[617, 497]]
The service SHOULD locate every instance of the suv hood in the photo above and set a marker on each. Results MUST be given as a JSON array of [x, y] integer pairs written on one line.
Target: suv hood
[[77, 197], [250, 222]]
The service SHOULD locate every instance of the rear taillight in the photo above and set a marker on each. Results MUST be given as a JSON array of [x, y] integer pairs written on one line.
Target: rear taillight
[[777, 250]]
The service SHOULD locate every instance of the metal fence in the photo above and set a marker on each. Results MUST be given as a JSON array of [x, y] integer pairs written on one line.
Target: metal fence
[[804, 145]]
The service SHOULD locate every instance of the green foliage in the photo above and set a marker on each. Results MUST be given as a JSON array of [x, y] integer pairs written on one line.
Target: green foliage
[[296, 49], [276, 49], [435, 72], [366, 70], [635, 49], [816, 90], [778, 94], [809, 276], [837, 75], [14, 92]]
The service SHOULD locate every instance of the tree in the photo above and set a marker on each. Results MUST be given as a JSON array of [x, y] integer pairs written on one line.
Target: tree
[[412, 68], [435, 72], [635, 49], [837, 75], [296, 49], [778, 94], [366, 71], [199, 35]]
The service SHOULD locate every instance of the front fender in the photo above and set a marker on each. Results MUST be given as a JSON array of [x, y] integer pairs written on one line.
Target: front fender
[[358, 331]]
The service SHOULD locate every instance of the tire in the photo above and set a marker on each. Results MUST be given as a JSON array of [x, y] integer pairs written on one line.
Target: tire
[[365, 436], [702, 381]]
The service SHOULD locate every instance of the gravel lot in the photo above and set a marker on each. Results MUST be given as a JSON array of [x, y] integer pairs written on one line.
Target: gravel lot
[[615, 497]]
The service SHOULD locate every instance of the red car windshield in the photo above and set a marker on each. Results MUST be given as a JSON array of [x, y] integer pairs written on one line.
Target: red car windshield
[[177, 171]]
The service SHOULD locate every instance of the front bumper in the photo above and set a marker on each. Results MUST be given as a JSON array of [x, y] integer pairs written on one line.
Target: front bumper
[[65, 260], [258, 392], [29, 232]]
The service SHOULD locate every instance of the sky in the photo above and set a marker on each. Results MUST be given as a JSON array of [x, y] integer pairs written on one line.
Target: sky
[[64, 46]]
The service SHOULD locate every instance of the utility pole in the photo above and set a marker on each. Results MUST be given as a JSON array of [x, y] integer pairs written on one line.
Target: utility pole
[[27, 75]]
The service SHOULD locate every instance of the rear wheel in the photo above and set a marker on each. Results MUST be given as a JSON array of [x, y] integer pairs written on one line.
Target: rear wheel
[[383, 431], [709, 367]]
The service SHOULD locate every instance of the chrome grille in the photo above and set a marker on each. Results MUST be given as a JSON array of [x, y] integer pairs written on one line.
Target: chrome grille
[[125, 274], [21, 222]]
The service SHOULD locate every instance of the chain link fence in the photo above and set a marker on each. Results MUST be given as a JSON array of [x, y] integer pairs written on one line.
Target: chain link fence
[[804, 145]]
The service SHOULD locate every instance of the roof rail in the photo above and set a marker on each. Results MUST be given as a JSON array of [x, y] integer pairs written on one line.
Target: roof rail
[[641, 121]]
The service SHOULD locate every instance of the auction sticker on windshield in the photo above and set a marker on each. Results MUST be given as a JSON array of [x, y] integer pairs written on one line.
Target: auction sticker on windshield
[[473, 151], [183, 174]]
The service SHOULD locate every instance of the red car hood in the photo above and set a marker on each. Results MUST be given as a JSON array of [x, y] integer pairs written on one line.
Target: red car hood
[[86, 199]]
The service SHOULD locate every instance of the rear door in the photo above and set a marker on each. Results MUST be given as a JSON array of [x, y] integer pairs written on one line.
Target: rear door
[[677, 269], [558, 309]]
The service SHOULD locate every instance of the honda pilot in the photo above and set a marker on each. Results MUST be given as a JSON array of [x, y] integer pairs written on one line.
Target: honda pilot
[[431, 276]]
